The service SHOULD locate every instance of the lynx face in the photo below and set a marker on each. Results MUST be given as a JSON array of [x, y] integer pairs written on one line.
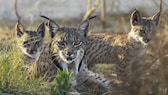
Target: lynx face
[[68, 44], [30, 42], [143, 29]]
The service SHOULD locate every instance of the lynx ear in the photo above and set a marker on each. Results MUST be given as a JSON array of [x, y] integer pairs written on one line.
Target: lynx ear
[[19, 29], [41, 29], [135, 17], [83, 28], [155, 18], [53, 28]]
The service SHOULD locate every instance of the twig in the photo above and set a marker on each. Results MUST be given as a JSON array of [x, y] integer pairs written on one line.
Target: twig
[[103, 13], [16, 12], [91, 10]]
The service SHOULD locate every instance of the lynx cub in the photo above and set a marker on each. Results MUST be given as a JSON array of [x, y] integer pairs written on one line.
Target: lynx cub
[[126, 50], [28, 42]]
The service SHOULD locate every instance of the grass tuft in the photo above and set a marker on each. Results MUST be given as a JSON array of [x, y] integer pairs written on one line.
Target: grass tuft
[[62, 84], [13, 80]]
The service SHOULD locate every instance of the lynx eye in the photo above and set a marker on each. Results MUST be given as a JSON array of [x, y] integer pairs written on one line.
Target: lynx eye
[[76, 43], [143, 31], [61, 43], [26, 44], [37, 43]]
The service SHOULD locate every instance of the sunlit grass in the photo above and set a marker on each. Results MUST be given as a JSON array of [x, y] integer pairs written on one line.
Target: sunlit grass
[[13, 80], [62, 84]]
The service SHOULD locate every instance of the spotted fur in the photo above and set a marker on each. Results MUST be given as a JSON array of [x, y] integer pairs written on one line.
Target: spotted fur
[[67, 47], [127, 51], [43, 67], [87, 80], [66, 40]]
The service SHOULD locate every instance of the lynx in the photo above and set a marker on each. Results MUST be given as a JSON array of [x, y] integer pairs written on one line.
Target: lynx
[[65, 52], [121, 48], [127, 51], [29, 42], [71, 44], [67, 47]]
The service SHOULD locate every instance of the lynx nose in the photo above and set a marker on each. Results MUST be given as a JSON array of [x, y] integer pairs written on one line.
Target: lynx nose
[[69, 56], [32, 51], [148, 40], [69, 53]]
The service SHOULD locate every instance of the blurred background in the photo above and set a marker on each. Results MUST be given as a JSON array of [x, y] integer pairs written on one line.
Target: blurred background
[[111, 13], [60, 9]]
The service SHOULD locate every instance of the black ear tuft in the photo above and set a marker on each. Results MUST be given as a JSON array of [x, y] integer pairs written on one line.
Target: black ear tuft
[[53, 27], [44, 17], [135, 17], [41, 29], [19, 29], [90, 18]]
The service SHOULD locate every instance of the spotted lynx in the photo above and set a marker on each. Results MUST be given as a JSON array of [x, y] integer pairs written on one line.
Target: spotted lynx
[[127, 51], [29, 42], [113, 47], [63, 52], [66, 47]]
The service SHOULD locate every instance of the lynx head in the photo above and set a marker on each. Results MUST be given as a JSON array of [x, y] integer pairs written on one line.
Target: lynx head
[[30, 42], [143, 29], [68, 43]]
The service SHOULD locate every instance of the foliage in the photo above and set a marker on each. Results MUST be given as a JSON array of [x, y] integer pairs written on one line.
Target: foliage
[[62, 84], [13, 80]]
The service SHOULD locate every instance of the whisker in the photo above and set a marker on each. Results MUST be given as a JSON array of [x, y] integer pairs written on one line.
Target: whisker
[[33, 41]]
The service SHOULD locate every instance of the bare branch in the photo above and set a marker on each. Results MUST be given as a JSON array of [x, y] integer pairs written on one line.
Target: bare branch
[[160, 6], [91, 10], [89, 5], [103, 13], [16, 12]]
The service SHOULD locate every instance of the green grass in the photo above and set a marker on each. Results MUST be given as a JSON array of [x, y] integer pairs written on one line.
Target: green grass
[[63, 82], [13, 80]]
